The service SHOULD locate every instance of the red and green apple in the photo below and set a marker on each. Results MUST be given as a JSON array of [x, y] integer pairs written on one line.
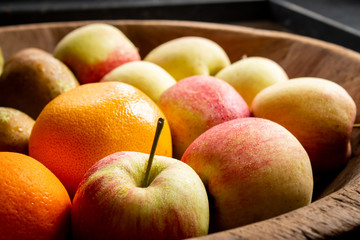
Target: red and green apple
[[93, 50], [197, 103], [253, 169]]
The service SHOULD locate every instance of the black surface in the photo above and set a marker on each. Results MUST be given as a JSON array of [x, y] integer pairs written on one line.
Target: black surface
[[336, 21], [21, 12], [345, 12]]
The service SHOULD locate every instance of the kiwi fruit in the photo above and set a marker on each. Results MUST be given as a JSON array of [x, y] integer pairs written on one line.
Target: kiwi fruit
[[15, 130], [31, 78], [1, 61]]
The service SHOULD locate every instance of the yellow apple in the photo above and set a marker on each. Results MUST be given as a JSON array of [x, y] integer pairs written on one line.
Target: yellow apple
[[188, 56], [250, 75], [146, 76], [320, 113]]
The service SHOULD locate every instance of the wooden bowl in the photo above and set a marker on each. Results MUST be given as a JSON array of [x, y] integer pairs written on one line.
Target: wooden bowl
[[335, 210]]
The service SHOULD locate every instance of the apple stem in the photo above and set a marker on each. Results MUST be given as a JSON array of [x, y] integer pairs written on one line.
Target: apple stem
[[159, 127]]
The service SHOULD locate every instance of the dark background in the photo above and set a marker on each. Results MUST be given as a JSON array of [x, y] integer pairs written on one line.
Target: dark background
[[336, 21]]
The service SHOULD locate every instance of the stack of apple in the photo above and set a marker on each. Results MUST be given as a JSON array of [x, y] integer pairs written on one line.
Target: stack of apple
[[253, 138]]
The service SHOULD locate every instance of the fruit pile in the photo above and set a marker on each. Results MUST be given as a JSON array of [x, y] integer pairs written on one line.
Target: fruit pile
[[97, 142]]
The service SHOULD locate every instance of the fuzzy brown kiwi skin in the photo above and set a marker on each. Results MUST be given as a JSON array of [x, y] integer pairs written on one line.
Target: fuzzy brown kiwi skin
[[15, 130], [31, 78], [1, 61]]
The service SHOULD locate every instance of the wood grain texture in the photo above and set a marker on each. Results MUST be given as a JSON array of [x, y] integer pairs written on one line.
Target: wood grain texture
[[335, 212]]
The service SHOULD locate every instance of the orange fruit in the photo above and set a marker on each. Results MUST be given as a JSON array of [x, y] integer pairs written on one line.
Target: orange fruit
[[92, 121], [34, 204]]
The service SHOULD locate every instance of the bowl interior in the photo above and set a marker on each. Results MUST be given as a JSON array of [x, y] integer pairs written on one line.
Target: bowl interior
[[299, 56]]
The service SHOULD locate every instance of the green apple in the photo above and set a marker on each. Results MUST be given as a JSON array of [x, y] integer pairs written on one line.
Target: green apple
[[320, 113], [31, 78], [93, 50], [195, 104], [146, 76], [112, 201], [253, 169], [252, 74], [187, 56]]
